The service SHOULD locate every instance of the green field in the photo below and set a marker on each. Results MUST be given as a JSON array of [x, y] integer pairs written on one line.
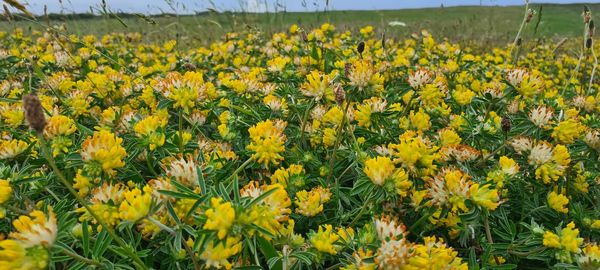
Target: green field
[[479, 25]]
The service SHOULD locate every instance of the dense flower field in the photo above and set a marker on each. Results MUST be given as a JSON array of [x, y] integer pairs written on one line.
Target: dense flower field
[[311, 149]]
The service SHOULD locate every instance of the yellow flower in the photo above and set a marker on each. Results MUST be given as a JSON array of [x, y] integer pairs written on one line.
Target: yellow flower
[[420, 120], [448, 136], [277, 64], [590, 259], [12, 117], [310, 203], [323, 240], [434, 254], [362, 75], [105, 149], [267, 142], [363, 115], [15, 256], [82, 183], [569, 238], [463, 95], [414, 154], [151, 128], [567, 242], [568, 131], [136, 204], [219, 217], [5, 191], [317, 85], [292, 176], [483, 196], [12, 148], [558, 202], [216, 254], [59, 125], [36, 229], [508, 165], [431, 96], [379, 169]]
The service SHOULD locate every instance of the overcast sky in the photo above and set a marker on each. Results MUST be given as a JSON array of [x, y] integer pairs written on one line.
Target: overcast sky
[[191, 6]]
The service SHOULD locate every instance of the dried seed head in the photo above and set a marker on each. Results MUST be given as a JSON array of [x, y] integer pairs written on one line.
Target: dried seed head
[[519, 41], [189, 66], [506, 124], [304, 36], [361, 47], [530, 13], [340, 95], [592, 28], [587, 15], [34, 113], [347, 69]]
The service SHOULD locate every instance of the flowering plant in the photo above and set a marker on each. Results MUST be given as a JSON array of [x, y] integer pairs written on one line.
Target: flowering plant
[[308, 149]]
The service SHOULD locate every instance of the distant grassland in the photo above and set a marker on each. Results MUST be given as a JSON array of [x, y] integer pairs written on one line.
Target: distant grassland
[[485, 26]]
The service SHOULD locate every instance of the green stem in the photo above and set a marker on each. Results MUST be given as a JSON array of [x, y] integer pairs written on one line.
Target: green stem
[[126, 248], [488, 234], [14, 209], [240, 168], [520, 30], [362, 210], [173, 233], [149, 159], [304, 119], [78, 257], [180, 131], [420, 220], [160, 225], [338, 139]]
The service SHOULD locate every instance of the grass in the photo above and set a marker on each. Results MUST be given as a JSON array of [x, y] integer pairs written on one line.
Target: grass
[[485, 26]]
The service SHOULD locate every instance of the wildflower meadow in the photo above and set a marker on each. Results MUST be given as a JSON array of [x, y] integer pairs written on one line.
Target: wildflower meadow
[[311, 148]]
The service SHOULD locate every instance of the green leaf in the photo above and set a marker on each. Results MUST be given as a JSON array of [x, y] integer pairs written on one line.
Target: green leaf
[[85, 238], [269, 251], [179, 195], [102, 242]]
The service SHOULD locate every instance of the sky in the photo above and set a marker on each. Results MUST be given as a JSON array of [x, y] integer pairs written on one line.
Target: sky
[[191, 6]]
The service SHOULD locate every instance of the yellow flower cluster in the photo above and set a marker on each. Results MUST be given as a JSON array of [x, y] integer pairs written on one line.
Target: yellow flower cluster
[[220, 217], [267, 142], [104, 149], [567, 242]]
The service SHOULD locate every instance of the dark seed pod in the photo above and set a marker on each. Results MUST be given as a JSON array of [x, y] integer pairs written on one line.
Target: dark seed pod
[[34, 113], [519, 41], [506, 124], [588, 43], [361, 47], [383, 40], [592, 28]]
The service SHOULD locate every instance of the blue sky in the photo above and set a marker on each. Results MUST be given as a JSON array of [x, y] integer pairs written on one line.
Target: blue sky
[[190, 6]]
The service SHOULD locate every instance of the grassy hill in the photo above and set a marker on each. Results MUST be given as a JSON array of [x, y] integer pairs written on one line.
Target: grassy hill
[[473, 24]]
